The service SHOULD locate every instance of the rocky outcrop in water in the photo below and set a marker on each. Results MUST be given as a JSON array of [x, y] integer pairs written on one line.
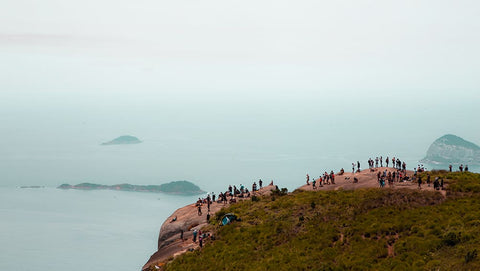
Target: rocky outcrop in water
[[123, 140], [451, 149], [177, 187]]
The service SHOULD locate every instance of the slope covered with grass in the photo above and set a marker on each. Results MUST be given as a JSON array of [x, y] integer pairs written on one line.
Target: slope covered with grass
[[380, 229]]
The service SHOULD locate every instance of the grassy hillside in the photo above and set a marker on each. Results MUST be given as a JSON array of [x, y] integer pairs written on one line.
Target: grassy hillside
[[375, 229]]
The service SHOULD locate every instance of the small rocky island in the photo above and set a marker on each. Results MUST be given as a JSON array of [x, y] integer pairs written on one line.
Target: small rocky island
[[123, 140], [451, 149], [177, 187]]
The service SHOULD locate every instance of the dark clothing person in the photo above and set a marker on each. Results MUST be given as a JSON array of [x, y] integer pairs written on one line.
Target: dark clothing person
[[195, 236]]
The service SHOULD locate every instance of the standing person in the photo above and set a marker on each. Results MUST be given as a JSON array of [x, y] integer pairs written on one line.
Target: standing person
[[353, 167], [200, 240], [332, 176], [260, 183], [461, 168], [419, 181], [195, 236], [376, 162], [199, 211], [308, 179], [450, 167], [428, 180], [466, 167], [358, 166], [386, 161], [381, 161], [313, 183]]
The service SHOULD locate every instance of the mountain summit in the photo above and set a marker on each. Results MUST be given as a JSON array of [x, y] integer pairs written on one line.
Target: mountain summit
[[451, 149]]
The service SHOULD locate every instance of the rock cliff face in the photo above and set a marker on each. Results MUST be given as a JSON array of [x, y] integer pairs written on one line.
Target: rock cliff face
[[451, 149]]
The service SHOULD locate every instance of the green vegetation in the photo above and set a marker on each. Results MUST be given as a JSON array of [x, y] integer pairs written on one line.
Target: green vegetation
[[369, 229], [183, 187]]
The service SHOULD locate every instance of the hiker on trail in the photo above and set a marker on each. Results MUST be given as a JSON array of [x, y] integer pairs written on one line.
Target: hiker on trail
[[199, 210], [320, 181], [200, 240], [393, 162], [466, 168], [428, 180], [308, 180], [254, 186], [461, 168], [195, 236], [230, 189], [213, 197], [381, 161], [376, 162], [313, 183], [420, 182], [386, 161], [450, 167], [358, 166], [260, 183], [332, 177], [436, 184], [353, 167]]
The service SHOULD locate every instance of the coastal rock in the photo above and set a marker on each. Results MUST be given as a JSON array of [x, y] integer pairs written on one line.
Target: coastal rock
[[123, 140], [451, 149]]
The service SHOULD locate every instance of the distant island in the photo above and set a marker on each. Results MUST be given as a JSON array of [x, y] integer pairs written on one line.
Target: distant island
[[177, 187], [451, 149], [123, 140]]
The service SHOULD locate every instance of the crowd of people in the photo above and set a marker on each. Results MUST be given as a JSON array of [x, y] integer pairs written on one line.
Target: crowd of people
[[324, 179], [461, 168], [378, 162]]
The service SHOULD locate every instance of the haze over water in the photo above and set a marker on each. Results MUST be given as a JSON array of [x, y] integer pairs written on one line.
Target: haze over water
[[221, 93]]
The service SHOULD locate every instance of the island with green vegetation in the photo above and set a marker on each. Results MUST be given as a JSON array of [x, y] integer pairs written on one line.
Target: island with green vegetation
[[123, 140], [176, 187], [395, 228], [451, 149]]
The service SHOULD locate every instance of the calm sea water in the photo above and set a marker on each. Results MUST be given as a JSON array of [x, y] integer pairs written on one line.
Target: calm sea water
[[53, 229]]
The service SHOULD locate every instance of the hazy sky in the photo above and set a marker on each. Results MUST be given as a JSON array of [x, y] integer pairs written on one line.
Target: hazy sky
[[247, 71]]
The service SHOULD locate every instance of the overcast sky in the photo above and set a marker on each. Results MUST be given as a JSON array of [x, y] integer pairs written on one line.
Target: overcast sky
[[295, 46]]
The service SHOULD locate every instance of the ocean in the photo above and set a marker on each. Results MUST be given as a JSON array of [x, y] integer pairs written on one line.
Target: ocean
[[53, 229]]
